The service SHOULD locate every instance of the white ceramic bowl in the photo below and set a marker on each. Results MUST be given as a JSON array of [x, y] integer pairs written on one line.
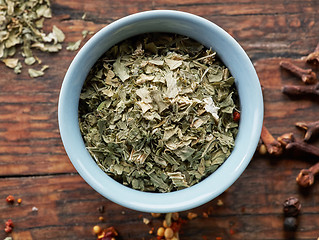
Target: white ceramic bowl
[[247, 83]]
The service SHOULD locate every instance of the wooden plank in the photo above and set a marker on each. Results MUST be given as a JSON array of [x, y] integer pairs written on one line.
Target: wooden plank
[[35, 167], [29, 131], [67, 207]]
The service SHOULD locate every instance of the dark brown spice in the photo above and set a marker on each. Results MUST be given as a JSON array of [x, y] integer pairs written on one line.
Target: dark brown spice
[[289, 143], [286, 138], [294, 90], [314, 56], [273, 146], [290, 224], [306, 177], [303, 147], [312, 129], [291, 207], [306, 75]]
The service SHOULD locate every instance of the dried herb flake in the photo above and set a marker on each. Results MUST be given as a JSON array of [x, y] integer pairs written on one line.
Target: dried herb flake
[[156, 112]]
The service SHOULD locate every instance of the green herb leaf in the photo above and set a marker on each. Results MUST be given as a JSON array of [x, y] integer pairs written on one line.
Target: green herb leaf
[[156, 112], [73, 46]]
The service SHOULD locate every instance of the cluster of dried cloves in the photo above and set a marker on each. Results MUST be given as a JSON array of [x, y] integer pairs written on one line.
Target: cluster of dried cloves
[[307, 76], [287, 142]]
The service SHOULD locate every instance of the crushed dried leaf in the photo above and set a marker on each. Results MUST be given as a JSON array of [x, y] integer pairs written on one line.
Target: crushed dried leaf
[[21, 26], [73, 46], [156, 112]]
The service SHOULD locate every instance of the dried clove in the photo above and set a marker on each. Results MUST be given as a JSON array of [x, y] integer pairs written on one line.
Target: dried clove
[[286, 138], [295, 90], [314, 56], [306, 177], [303, 147], [273, 146], [306, 75], [288, 142], [312, 129]]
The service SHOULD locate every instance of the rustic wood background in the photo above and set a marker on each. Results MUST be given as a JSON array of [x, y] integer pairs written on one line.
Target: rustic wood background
[[35, 167]]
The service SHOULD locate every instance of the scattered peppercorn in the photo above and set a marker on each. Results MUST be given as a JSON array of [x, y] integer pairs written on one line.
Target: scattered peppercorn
[[97, 229], [168, 233], [160, 231], [262, 149], [290, 223], [101, 219], [10, 199], [291, 207]]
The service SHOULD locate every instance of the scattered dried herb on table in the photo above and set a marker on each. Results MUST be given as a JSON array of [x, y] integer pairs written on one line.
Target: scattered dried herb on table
[[21, 24], [156, 112]]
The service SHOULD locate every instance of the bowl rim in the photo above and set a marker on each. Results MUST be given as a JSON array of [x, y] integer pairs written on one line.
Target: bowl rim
[[181, 200]]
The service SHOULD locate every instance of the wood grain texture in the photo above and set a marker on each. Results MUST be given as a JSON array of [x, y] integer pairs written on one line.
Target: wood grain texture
[[35, 167]]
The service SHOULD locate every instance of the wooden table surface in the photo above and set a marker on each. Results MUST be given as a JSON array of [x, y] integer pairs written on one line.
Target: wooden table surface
[[35, 167]]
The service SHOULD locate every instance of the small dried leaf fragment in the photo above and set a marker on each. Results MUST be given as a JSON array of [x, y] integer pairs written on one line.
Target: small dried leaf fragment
[[44, 11], [11, 62], [73, 46], [45, 47], [37, 73], [29, 60], [142, 112], [211, 107], [173, 64], [171, 81], [120, 70], [21, 26], [58, 33]]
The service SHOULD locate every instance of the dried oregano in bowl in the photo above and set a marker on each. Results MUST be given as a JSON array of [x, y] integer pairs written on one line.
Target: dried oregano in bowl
[[156, 112]]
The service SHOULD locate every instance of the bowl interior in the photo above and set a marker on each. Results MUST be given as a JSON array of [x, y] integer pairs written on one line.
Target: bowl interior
[[234, 58]]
